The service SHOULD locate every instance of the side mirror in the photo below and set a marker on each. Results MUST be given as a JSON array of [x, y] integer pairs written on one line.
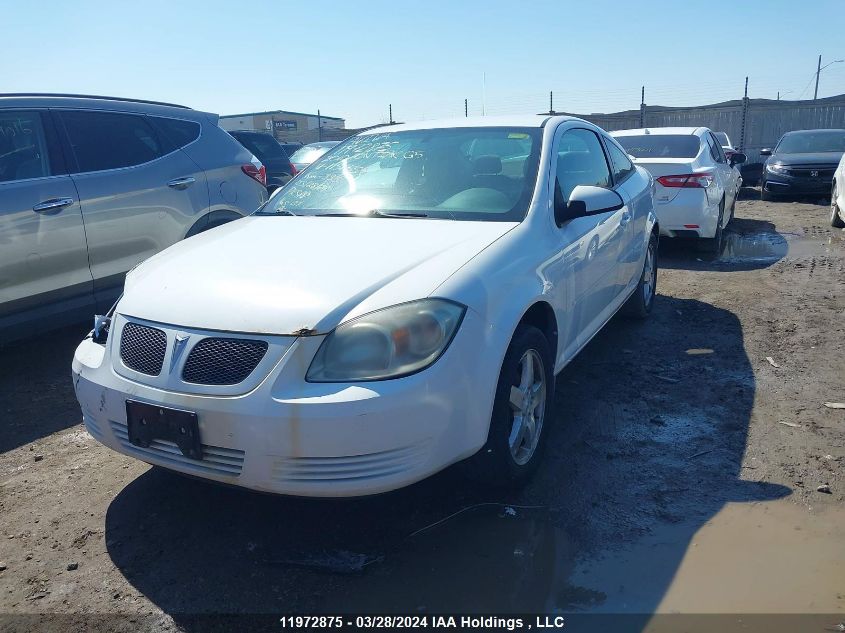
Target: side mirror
[[766, 152], [737, 158], [587, 200]]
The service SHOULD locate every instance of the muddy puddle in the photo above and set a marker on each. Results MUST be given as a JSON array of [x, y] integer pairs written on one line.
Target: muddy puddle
[[764, 558], [771, 246]]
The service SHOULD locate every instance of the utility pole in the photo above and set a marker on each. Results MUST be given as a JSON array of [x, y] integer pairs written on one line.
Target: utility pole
[[818, 72], [390, 112], [744, 118], [642, 107], [466, 107], [319, 126], [551, 102]]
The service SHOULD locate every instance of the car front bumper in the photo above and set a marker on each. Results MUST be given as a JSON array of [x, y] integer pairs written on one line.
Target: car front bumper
[[289, 436], [796, 186]]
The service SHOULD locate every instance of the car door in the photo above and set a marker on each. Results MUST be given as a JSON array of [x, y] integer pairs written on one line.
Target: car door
[[138, 191], [44, 270], [733, 176], [633, 187], [585, 275], [723, 171]]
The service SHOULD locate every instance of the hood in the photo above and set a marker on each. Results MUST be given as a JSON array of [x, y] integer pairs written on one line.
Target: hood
[[287, 275], [815, 158]]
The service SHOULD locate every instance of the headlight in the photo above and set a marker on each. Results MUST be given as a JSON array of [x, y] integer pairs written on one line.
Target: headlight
[[388, 343], [778, 169]]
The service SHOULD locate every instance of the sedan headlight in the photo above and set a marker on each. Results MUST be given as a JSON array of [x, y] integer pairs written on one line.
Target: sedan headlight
[[388, 343], [778, 169]]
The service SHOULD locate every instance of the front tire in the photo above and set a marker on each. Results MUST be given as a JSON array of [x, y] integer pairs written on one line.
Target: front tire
[[765, 196], [836, 220], [640, 303], [522, 409]]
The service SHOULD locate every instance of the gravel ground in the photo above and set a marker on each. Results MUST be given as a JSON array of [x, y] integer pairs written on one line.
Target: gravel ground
[[685, 433]]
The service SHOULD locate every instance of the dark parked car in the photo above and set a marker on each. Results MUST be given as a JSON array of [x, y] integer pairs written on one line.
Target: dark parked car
[[271, 154], [290, 148], [802, 163]]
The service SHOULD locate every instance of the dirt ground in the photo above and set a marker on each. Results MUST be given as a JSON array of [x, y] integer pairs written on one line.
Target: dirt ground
[[683, 475]]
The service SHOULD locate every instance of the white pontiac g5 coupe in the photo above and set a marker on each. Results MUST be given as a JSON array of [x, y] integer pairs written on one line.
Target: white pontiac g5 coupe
[[402, 305]]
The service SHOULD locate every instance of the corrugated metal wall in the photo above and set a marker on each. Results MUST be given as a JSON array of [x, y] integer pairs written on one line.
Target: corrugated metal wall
[[765, 121]]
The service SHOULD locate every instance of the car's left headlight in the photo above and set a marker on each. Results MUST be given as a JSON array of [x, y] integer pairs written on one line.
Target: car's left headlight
[[389, 343], [778, 169]]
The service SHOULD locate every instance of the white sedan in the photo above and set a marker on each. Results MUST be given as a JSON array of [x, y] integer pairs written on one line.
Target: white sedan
[[402, 305], [696, 185], [837, 197]]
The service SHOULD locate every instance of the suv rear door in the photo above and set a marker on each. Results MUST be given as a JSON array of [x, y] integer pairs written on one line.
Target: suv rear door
[[139, 192], [44, 270]]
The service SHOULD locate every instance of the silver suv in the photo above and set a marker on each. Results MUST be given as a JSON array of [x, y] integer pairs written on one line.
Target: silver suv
[[90, 186]]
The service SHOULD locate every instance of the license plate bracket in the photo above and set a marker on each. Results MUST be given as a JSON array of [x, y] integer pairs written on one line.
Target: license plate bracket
[[147, 422]]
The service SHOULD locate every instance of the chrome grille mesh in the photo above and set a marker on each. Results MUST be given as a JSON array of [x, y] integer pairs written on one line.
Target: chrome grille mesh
[[142, 348], [223, 361]]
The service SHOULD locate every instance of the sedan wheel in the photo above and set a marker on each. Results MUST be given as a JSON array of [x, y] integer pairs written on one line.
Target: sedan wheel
[[524, 403], [528, 402], [640, 303], [836, 219]]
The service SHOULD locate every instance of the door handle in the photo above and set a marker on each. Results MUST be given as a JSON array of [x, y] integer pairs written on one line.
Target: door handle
[[626, 217], [182, 183], [53, 205]]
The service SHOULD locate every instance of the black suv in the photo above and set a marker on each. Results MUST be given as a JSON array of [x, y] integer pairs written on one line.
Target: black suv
[[271, 154]]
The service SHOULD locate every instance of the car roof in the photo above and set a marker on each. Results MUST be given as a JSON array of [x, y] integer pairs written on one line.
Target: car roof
[[660, 130], [831, 129], [95, 102], [534, 120]]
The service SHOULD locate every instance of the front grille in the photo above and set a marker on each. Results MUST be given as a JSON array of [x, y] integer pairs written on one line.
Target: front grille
[[806, 172], [142, 348], [223, 361]]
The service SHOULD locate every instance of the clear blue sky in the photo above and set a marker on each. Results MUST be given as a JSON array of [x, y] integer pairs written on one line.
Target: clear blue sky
[[351, 59]]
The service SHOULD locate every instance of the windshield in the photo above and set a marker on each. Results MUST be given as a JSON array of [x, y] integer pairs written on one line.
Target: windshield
[[308, 154], [460, 173], [264, 146], [660, 145], [810, 142]]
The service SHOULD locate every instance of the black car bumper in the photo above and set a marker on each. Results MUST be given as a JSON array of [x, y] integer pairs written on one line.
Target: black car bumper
[[796, 186]]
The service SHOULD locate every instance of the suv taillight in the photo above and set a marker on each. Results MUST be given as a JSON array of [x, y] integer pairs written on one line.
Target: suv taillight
[[258, 173], [693, 181], [293, 170]]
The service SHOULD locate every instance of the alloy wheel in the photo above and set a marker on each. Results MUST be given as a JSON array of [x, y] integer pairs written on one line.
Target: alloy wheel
[[528, 404]]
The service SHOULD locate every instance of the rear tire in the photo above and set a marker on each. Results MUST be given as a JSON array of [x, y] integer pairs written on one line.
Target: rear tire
[[713, 245], [522, 410], [836, 220], [640, 303]]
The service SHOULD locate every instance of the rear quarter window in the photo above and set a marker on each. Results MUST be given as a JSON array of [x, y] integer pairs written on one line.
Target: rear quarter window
[[175, 133]]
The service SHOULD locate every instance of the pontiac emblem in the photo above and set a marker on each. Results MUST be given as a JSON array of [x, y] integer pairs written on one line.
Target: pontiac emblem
[[179, 346]]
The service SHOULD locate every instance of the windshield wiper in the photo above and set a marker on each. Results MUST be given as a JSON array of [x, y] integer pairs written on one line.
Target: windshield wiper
[[374, 213], [261, 211]]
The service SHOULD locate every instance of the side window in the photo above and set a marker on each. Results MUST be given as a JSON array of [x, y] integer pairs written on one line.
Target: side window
[[23, 146], [109, 140], [719, 150], [715, 149], [622, 165], [175, 133], [581, 161]]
